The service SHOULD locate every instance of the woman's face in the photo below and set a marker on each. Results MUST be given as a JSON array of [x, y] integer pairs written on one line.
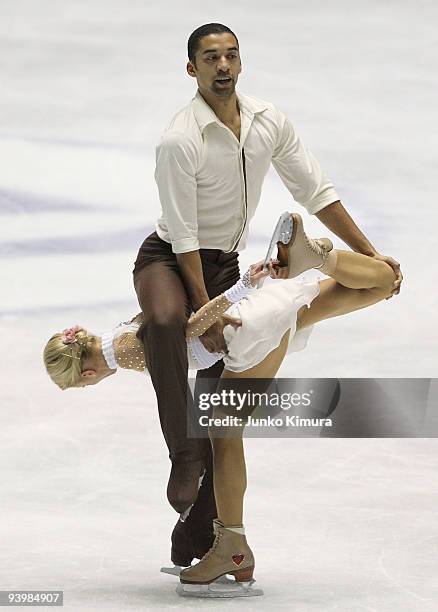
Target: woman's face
[[92, 377]]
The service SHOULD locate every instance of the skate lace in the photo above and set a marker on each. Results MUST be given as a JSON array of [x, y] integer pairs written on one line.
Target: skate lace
[[316, 246], [213, 547]]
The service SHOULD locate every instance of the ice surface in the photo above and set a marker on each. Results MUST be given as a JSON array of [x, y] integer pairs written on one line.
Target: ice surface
[[87, 88]]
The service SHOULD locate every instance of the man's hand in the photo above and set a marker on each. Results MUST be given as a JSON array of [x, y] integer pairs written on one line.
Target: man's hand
[[213, 338], [396, 267], [336, 218]]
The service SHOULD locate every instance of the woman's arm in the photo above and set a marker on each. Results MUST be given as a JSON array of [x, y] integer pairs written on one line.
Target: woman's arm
[[211, 312], [206, 316]]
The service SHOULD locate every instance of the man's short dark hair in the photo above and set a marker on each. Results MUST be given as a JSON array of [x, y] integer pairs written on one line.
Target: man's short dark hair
[[205, 30]]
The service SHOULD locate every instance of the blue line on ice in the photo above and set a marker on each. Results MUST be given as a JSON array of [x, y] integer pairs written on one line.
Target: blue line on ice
[[131, 149], [127, 306], [18, 202], [79, 245]]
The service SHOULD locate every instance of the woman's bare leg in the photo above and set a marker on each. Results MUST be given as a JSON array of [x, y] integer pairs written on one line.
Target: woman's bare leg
[[356, 281], [228, 453]]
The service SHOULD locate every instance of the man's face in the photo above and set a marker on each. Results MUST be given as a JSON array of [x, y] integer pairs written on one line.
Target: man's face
[[217, 64]]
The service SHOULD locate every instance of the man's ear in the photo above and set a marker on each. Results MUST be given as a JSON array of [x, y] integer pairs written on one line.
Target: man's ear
[[190, 69], [86, 373]]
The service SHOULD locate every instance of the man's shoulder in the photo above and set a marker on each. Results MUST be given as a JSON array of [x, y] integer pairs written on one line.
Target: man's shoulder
[[181, 139], [183, 122], [257, 105], [182, 131]]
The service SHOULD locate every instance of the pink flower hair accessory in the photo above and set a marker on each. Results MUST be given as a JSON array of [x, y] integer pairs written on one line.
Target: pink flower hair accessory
[[69, 335]]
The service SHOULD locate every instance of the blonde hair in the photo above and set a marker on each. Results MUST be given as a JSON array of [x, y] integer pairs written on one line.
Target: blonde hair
[[64, 361]]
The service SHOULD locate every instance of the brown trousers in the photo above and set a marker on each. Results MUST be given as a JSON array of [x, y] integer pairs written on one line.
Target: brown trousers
[[166, 308]]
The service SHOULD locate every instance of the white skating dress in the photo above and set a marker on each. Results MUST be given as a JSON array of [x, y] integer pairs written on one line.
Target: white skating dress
[[266, 314]]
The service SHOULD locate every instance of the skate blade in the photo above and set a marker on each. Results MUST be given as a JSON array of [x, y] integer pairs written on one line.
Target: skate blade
[[173, 571], [282, 233], [219, 590]]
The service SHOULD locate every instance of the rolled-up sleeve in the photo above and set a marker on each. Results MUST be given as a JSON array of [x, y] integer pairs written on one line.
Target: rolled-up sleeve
[[175, 175], [300, 171]]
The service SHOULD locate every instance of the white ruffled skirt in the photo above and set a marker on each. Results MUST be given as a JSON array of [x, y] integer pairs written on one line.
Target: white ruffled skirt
[[266, 315]]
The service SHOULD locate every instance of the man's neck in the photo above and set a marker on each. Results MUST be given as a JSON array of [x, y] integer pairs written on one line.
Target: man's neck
[[225, 109]]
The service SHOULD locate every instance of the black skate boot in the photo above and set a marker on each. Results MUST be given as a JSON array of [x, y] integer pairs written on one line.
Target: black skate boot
[[188, 544]]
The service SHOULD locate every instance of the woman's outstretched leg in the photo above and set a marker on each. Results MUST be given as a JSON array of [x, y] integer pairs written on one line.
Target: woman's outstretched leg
[[357, 281]]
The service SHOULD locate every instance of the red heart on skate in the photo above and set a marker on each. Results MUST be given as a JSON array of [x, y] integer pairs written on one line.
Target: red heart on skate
[[237, 559]]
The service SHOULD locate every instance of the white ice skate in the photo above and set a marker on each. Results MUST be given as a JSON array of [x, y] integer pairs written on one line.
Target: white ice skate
[[282, 233]]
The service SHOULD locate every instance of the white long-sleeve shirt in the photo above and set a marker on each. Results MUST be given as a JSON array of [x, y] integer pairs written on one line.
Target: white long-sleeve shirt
[[210, 183]]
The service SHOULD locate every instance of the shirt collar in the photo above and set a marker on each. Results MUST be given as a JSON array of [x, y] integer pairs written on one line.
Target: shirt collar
[[205, 115], [108, 349]]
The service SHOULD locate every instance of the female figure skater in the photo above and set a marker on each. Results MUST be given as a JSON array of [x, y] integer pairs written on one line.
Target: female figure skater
[[269, 322]]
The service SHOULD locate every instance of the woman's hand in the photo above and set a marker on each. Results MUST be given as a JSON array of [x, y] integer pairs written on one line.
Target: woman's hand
[[257, 273], [276, 271]]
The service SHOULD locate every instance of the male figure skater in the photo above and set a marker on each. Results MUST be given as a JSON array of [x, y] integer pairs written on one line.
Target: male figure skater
[[210, 167]]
